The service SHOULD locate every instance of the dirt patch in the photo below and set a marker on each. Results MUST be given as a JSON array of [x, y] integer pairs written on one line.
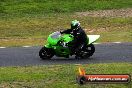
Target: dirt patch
[[107, 13]]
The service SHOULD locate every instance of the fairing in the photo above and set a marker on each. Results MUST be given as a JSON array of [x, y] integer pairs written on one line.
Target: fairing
[[58, 49]]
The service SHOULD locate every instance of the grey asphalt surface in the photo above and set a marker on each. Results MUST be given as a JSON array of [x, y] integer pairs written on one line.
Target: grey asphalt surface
[[105, 53]]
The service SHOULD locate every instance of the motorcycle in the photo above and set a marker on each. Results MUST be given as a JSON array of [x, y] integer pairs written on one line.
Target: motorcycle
[[57, 44]]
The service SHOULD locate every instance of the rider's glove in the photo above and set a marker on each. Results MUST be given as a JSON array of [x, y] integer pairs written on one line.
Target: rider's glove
[[61, 32], [64, 44]]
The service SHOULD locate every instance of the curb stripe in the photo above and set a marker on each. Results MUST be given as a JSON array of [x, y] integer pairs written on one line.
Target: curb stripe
[[2, 47], [96, 43], [93, 43], [26, 46], [117, 42]]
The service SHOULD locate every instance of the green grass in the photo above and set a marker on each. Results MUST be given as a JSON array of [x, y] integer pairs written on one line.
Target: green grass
[[23, 7], [58, 76], [31, 21], [34, 31]]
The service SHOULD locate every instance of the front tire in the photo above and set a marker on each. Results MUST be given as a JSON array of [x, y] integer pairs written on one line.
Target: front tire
[[46, 53]]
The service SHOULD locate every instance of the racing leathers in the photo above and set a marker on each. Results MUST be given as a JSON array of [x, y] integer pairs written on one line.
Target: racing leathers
[[80, 38]]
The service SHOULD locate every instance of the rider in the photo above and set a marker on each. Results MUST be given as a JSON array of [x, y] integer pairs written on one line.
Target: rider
[[80, 37]]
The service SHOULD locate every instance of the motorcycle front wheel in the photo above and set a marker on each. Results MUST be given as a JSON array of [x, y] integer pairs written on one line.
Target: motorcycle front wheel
[[46, 53]]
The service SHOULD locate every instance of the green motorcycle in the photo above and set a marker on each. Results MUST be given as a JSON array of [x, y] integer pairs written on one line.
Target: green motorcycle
[[58, 45]]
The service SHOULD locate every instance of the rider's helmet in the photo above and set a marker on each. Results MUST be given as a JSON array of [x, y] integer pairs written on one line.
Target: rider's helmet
[[75, 24]]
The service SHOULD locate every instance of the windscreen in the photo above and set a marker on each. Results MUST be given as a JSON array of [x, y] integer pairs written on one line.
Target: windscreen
[[56, 35]]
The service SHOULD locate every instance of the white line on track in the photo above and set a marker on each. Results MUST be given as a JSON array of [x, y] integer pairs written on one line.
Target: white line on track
[[96, 43], [26, 46], [117, 42], [93, 43], [2, 47]]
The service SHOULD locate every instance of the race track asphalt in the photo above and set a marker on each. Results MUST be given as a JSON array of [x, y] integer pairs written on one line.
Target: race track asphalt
[[27, 56]]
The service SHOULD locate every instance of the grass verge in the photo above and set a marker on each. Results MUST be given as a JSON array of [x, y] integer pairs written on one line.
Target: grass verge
[[59, 76], [34, 31], [30, 7], [29, 22]]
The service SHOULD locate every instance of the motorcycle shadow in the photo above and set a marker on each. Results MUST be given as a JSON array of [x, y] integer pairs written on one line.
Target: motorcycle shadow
[[70, 60]]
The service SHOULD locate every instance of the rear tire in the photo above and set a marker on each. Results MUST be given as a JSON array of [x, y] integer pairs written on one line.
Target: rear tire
[[86, 52], [46, 53], [91, 49]]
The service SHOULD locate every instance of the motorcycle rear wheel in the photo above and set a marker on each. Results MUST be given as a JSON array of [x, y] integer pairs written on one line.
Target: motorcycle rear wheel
[[86, 52], [91, 49]]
